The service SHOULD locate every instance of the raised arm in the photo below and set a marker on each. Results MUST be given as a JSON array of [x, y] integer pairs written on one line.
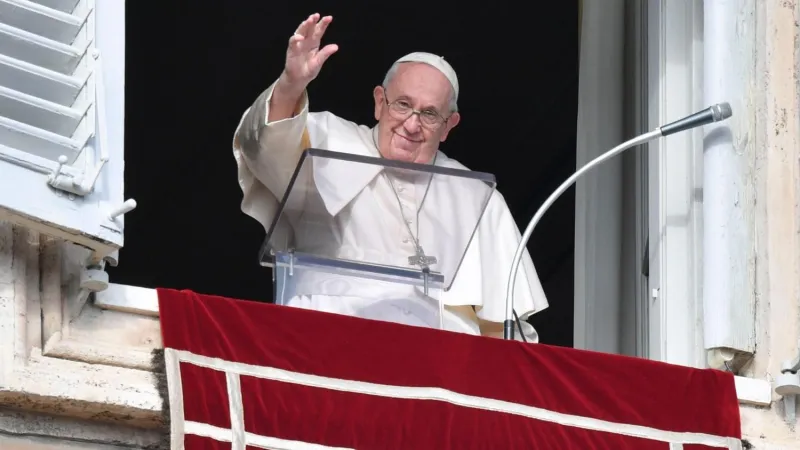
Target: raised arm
[[273, 131], [304, 59]]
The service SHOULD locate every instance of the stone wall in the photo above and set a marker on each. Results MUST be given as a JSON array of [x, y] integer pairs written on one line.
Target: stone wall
[[68, 369], [774, 99]]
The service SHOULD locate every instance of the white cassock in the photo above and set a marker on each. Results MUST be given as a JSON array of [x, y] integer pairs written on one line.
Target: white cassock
[[366, 222]]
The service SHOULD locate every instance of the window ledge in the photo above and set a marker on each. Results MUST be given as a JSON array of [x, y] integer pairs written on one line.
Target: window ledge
[[129, 299], [752, 391]]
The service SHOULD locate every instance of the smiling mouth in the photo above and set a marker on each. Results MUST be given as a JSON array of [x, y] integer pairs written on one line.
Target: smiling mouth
[[406, 138]]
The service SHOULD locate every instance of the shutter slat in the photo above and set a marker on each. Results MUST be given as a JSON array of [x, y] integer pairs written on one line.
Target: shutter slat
[[38, 112], [40, 20], [37, 141], [66, 6], [38, 81], [38, 50], [43, 102]]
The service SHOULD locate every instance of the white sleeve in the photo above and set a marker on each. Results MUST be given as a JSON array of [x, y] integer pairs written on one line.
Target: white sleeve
[[494, 246], [267, 153]]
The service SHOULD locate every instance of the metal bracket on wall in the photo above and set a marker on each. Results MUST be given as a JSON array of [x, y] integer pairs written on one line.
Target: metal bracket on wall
[[787, 385]]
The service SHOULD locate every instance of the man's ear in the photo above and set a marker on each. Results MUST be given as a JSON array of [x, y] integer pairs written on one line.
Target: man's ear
[[379, 95], [454, 119]]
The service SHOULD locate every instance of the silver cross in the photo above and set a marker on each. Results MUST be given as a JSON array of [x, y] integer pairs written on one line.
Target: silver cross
[[419, 259]]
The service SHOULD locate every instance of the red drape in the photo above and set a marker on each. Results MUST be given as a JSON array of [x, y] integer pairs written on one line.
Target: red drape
[[247, 374]]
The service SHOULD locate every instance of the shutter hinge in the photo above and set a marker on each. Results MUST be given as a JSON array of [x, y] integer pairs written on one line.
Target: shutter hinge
[[80, 186]]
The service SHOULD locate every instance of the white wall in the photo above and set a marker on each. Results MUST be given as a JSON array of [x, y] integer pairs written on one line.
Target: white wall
[[765, 131], [774, 96]]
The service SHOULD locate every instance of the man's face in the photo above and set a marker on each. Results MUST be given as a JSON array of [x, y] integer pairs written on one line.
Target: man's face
[[402, 134]]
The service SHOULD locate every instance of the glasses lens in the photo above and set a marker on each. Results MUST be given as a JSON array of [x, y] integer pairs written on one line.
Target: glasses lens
[[430, 118], [401, 109]]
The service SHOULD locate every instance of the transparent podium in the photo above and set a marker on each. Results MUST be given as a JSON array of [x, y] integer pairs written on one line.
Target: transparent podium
[[375, 238]]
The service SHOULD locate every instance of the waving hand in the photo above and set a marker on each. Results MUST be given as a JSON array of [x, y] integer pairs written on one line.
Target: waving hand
[[304, 57]]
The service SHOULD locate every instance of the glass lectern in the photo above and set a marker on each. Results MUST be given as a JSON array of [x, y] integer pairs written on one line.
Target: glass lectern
[[373, 238]]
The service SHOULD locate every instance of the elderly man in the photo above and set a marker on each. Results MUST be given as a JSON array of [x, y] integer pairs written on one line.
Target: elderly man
[[415, 109]]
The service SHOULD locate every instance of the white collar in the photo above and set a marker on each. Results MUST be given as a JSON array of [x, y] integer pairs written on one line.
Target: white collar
[[339, 182]]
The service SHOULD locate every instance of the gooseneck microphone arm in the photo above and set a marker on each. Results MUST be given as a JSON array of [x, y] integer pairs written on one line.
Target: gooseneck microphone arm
[[709, 115], [508, 324]]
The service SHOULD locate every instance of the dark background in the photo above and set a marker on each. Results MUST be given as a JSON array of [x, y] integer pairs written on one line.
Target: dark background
[[194, 67]]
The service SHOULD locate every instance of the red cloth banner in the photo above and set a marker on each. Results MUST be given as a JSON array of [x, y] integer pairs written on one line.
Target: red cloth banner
[[247, 375]]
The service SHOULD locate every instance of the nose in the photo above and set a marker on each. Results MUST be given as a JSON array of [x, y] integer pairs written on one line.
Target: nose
[[412, 124]]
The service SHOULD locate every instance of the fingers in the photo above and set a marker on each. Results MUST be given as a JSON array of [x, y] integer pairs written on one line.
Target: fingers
[[295, 40], [307, 37], [309, 33], [320, 27], [313, 26], [325, 53], [307, 26], [304, 57]]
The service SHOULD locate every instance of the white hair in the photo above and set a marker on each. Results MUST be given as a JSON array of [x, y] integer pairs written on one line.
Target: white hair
[[393, 71]]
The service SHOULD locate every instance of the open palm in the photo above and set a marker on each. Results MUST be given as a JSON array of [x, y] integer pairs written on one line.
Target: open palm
[[304, 57]]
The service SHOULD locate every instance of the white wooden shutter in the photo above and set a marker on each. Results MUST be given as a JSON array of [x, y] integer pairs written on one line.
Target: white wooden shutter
[[62, 72]]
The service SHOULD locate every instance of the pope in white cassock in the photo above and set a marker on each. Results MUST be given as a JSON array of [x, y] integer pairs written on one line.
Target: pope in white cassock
[[415, 109]]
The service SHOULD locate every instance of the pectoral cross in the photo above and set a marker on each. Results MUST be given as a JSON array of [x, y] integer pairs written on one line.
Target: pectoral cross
[[419, 259]]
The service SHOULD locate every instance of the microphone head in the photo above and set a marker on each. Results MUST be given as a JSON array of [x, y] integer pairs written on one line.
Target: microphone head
[[721, 111]]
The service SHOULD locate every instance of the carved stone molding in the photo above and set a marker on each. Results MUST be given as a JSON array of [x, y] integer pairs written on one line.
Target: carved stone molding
[[60, 353], [24, 430]]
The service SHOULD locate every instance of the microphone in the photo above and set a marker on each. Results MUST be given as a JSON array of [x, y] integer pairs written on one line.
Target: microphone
[[714, 113]]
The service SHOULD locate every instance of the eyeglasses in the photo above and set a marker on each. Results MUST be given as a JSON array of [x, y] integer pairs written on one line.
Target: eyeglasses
[[401, 109]]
